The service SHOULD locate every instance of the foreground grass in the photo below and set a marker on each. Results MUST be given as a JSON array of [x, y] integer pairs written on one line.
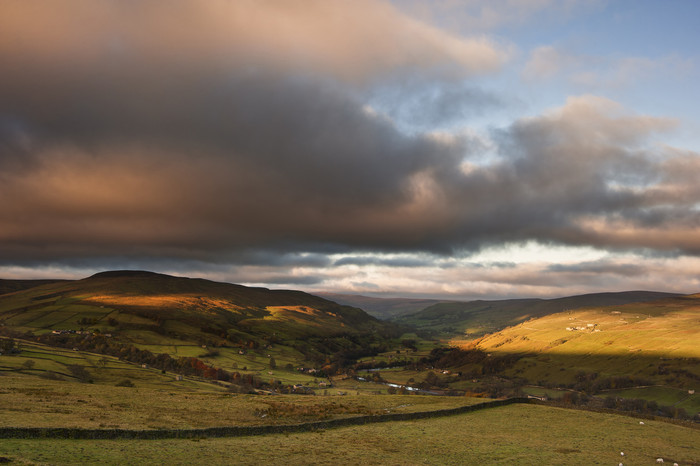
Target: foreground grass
[[516, 434], [28, 401]]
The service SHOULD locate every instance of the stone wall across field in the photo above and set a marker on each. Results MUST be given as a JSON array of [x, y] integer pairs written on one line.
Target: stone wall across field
[[243, 431], [237, 431]]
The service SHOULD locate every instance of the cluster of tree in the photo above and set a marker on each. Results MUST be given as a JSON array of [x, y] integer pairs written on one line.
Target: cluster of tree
[[80, 373], [666, 369], [642, 406], [185, 365], [366, 365], [410, 344], [612, 383], [632, 405], [452, 357], [480, 362], [335, 354], [9, 346], [87, 321]]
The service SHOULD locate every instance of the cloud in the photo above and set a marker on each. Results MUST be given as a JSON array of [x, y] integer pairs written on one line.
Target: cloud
[[488, 15], [600, 72], [546, 62], [183, 40], [239, 133], [422, 103]]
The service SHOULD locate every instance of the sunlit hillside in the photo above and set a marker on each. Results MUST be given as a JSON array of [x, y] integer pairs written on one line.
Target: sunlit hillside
[[473, 319], [227, 326], [641, 344]]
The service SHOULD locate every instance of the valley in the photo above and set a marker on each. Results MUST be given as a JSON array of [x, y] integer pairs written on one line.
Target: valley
[[145, 351]]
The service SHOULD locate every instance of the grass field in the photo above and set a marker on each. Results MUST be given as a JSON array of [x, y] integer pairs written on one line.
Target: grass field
[[30, 401], [516, 434], [653, 341]]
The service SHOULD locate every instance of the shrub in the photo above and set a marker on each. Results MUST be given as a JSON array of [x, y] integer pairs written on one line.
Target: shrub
[[124, 383], [80, 373], [50, 375]]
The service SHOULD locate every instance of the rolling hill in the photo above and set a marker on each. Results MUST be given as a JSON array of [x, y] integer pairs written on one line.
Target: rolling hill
[[646, 350], [382, 308], [475, 318], [10, 286], [225, 324]]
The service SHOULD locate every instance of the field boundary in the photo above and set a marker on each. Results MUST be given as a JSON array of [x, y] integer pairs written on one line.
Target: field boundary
[[650, 417], [245, 431], [238, 431]]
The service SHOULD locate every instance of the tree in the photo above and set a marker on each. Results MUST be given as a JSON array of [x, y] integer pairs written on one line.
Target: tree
[[7, 346], [80, 373], [273, 363]]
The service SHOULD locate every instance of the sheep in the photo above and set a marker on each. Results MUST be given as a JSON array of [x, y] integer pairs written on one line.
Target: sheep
[[659, 460]]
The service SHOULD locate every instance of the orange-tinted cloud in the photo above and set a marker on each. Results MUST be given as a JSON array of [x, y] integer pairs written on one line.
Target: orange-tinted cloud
[[203, 130]]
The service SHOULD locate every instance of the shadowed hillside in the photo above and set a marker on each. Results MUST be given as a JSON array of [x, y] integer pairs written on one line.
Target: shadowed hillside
[[10, 286], [382, 308]]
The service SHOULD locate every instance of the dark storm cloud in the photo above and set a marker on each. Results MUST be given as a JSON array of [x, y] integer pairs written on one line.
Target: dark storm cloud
[[221, 129]]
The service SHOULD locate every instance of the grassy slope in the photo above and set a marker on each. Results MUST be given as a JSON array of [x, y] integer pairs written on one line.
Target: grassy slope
[[656, 341], [10, 286], [476, 318], [154, 310], [33, 402], [46, 393], [519, 434]]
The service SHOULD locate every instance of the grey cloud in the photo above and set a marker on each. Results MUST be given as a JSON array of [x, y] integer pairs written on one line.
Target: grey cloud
[[118, 146], [292, 280], [600, 268], [390, 262], [366, 285]]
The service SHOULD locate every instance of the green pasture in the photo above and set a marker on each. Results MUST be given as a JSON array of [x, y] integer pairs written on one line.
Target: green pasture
[[510, 435], [157, 401], [667, 396]]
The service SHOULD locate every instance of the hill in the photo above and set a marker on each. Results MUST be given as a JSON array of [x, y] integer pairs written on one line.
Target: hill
[[226, 325], [642, 350], [10, 286], [382, 308], [475, 318], [662, 330], [641, 357]]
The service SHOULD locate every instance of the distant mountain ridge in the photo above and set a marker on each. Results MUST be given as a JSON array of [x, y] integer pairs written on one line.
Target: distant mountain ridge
[[10, 286], [382, 308]]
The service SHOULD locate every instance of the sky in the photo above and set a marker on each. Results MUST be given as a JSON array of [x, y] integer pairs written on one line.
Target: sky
[[447, 149]]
